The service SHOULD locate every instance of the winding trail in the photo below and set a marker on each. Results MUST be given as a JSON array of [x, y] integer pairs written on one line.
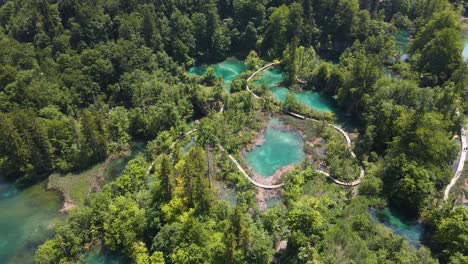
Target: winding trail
[[266, 186], [346, 136], [255, 73], [348, 143], [461, 164], [239, 167]]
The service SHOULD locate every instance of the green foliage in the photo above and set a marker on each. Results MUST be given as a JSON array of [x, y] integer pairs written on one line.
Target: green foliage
[[253, 61], [449, 226], [196, 182], [209, 76], [238, 85], [276, 32], [439, 38], [81, 80], [123, 223], [340, 162]]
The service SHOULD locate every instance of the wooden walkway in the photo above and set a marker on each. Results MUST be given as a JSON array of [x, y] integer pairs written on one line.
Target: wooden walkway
[[255, 73], [348, 143], [461, 164], [362, 172], [255, 183], [266, 186]]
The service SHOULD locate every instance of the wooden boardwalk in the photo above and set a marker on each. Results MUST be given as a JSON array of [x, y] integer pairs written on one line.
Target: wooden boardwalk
[[362, 172], [461, 164], [276, 186]]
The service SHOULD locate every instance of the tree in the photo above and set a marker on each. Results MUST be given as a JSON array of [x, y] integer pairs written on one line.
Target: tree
[[196, 182], [439, 38], [253, 61], [182, 42], [450, 226], [49, 252], [123, 223], [249, 37], [290, 58], [238, 85], [119, 124], [276, 37], [141, 256], [149, 28], [206, 133], [209, 76], [445, 45], [407, 184], [165, 179]]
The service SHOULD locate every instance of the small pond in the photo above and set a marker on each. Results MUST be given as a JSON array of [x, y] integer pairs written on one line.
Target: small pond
[[280, 148], [273, 78], [401, 225], [227, 70]]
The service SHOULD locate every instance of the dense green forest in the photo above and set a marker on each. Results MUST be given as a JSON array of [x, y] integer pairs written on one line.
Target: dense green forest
[[81, 80]]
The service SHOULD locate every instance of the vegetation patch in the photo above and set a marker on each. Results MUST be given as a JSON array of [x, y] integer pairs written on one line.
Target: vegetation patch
[[76, 187]]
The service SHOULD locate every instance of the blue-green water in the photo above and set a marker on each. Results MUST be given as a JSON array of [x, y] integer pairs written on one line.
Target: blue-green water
[[401, 225], [273, 78], [26, 220], [280, 148], [402, 40], [402, 43], [96, 256], [227, 70]]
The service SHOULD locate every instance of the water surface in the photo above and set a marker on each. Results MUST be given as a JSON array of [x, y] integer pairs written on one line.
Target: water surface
[[401, 225], [227, 70], [26, 220], [402, 43], [280, 148], [97, 256], [273, 78]]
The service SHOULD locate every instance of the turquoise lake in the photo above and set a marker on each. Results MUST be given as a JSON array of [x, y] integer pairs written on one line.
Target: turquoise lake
[[26, 220], [280, 148], [273, 78], [410, 229], [227, 70]]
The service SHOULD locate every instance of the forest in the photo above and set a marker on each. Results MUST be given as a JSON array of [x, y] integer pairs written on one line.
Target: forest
[[81, 81]]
